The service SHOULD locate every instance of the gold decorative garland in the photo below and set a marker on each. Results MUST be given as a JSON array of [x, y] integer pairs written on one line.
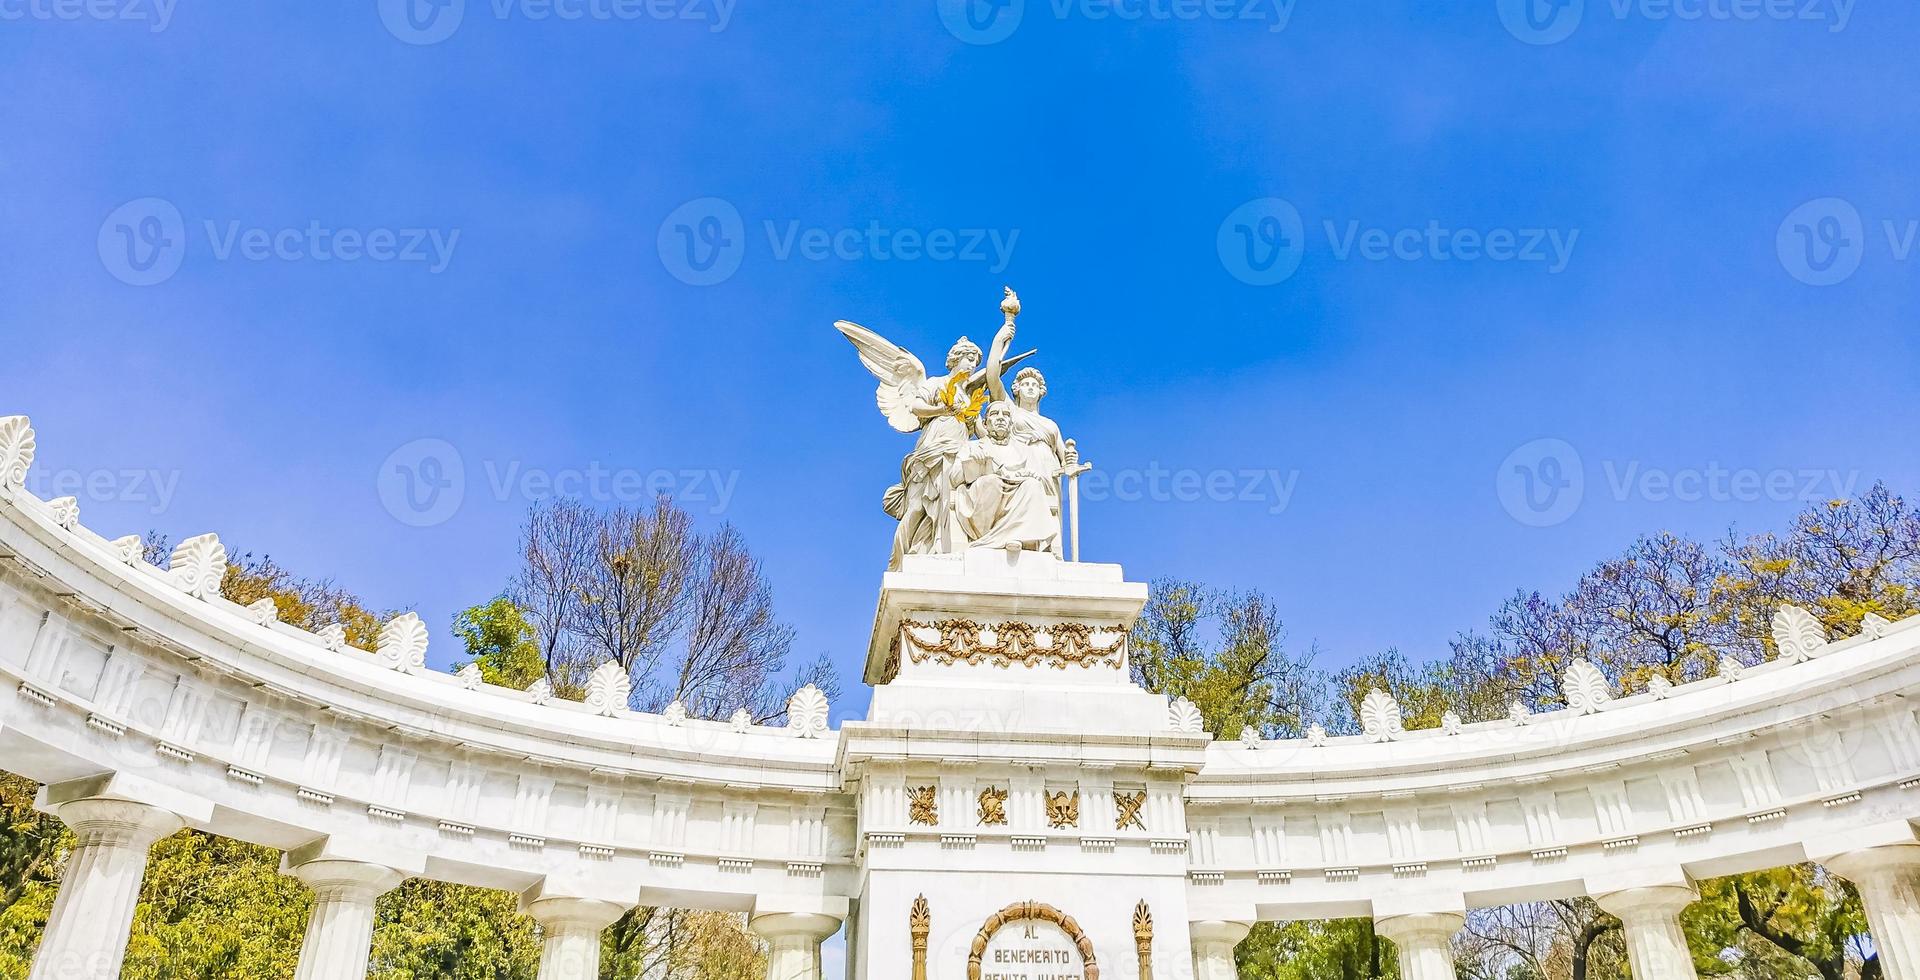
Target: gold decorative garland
[[964, 641], [1032, 912]]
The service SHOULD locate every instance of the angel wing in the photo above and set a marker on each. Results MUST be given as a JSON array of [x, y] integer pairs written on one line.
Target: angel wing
[[900, 374]]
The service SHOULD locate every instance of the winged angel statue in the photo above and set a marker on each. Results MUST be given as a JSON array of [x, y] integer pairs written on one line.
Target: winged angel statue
[[955, 493]]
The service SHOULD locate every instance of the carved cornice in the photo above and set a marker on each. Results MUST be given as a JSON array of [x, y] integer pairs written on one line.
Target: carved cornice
[[1060, 645]]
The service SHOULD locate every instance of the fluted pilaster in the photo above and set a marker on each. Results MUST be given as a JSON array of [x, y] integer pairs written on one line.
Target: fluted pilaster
[[86, 935], [1889, 881], [1424, 941], [1656, 947], [340, 933]]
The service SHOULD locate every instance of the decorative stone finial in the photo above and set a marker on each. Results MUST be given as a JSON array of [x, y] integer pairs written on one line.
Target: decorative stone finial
[[333, 637], [540, 691], [1184, 718], [264, 611], [608, 689], [130, 548], [1797, 633], [197, 565], [403, 644], [1450, 723], [16, 451], [1873, 626], [470, 677], [1316, 735], [807, 713], [1586, 689], [675, 714], [66, 512], [1380, 716]]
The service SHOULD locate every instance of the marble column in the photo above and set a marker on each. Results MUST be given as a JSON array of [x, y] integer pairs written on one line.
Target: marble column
[[572, 927], [86, 936], [1656, 948], [340, 933], [1213, 943], [1425, 942], [793, 942], [1889, 881]]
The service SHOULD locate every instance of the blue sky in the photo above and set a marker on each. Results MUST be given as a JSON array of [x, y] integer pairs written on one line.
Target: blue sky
[[1320, 287]]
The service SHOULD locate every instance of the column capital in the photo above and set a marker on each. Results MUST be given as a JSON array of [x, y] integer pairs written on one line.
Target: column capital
[[1219, 931], [1662, 900], [120, 823], [1421, 928], [347, 881], [1860, 864], [557, 914], [812, 926]]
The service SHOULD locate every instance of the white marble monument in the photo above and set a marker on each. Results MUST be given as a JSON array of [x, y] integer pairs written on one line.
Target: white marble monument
[[1012, 808]]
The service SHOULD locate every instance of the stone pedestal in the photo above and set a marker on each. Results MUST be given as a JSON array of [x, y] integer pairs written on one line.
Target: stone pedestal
[[86, 935], [340, 933], [1656, 947], [1424, 941]]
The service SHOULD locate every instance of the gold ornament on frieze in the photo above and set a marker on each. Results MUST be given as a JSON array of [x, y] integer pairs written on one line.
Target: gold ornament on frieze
[[1061, 645], [923, 805], [1063, 809], [1126, 809], [993, 807]]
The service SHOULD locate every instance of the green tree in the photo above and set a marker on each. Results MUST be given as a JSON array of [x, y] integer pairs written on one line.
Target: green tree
[[499, 639]]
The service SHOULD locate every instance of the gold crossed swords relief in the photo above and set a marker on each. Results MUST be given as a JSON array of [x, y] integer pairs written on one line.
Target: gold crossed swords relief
[[920, 927], [1063, 808]]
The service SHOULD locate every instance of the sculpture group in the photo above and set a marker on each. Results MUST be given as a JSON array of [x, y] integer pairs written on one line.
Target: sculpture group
[[986, 468]]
